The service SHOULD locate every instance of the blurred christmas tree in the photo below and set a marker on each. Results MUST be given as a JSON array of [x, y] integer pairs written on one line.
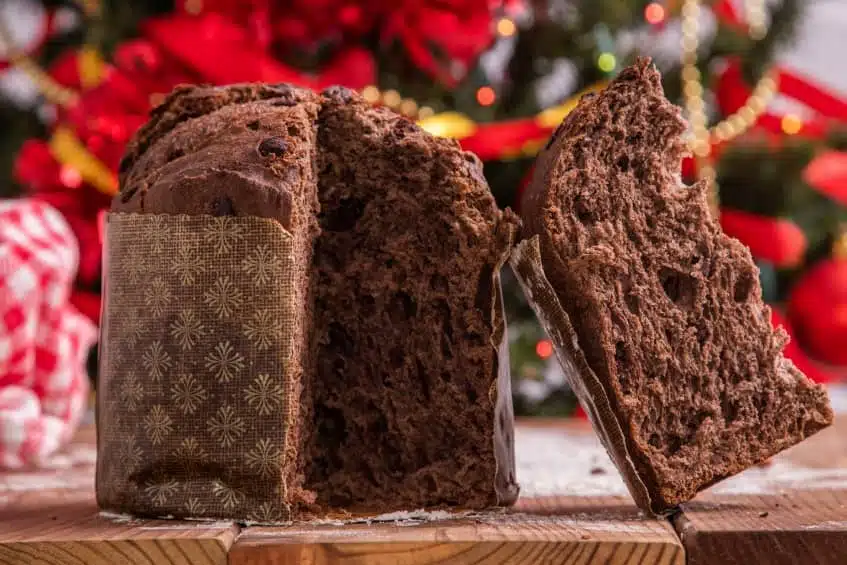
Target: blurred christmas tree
[[498, 75]]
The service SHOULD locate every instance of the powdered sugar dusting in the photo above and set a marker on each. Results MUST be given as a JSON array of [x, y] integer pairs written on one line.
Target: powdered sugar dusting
[[76, 455], [782, 476], [553, 462], [119, 518], [418, 515], [23, 482], [399, 518]]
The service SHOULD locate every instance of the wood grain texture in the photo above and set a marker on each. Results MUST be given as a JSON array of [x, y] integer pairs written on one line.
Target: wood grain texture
[[49, 517], [58, 528], [808, 527], [55, 528], [562, 531]]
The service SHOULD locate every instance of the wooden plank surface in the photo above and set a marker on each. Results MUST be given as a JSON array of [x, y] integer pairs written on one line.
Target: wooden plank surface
[[564, 530], [791, 511], [62, 529], [799, 527], [50, 517]]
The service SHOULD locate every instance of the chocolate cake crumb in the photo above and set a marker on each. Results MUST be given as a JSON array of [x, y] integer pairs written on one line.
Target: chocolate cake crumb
[[405, 401], [666, 310]]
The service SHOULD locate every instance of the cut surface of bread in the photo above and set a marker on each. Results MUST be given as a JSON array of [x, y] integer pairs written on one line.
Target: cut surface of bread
[[662, 322], [411, 244], [405, 396]]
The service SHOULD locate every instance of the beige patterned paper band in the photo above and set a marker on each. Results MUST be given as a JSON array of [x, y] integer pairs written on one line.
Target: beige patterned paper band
[[195, 387]]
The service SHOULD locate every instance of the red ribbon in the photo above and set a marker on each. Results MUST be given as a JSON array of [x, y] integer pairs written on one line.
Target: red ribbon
[[828, 174], [733, 92], [776, 240]]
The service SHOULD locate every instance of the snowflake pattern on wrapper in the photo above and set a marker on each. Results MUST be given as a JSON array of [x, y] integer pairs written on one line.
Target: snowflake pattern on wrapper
[[197, 391]]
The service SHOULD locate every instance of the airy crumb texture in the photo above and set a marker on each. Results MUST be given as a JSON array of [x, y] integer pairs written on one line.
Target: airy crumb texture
[[667, 309], [404, 395], [410, 241]]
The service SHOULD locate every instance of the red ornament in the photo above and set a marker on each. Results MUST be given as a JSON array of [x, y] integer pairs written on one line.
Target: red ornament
[[828, 173], [794, 352], [818, 309], [775, 240]]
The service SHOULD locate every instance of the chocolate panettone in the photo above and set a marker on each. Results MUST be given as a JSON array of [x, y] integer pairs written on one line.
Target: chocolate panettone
[[657, 314], [400, 363]]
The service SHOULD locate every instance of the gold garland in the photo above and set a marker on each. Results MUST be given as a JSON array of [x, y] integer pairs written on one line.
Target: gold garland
[[692, 88], [839, 248], [454, 124]]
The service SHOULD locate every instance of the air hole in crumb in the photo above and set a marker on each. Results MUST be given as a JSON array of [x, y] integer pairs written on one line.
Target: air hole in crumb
[[679, 287], [339, 340], [472, 395], [398, 357], [631, 302], [446, 349], [623, 163], [651, 222], [293, 130], [655, 440], [423, 377], [345, 215], [674, 445], [442, 309], [438, 283], [368, 305], [583, 213], [332, 427], [402, 307], [254, 125], [484, 295], [620, 353], [429, 484], [743, 286], [174, 154], [703, 334], [729, 410]]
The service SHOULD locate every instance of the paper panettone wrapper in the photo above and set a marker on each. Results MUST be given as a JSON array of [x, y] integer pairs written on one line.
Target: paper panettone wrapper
[[527, 265], [197, 391]]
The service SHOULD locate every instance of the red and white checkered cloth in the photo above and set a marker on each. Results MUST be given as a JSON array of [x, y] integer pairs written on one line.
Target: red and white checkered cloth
[[44, 341]]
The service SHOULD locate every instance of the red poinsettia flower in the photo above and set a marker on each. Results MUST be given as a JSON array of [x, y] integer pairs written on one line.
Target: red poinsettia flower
[[442, 37]]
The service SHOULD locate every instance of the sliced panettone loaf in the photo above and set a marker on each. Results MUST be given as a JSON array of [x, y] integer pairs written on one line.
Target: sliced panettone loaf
[[402, 369], [658, 315]]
